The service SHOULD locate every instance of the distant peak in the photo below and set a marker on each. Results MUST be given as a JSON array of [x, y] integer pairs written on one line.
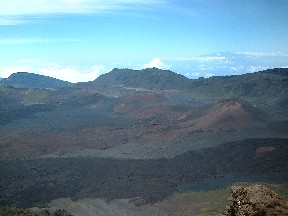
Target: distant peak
[[22, 72], [152, 68], [19, 73], [32, 80]]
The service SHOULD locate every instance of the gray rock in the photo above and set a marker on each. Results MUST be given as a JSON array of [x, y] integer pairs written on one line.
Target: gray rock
[[255, 200]]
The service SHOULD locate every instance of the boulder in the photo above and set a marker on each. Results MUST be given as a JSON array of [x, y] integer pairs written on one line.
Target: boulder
[[255, 200]]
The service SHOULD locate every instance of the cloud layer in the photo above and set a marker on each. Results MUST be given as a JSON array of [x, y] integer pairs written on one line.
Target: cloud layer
[[33, 7], [157, 63], [226, 63], [17, 12], [36, 40], [69, 73]]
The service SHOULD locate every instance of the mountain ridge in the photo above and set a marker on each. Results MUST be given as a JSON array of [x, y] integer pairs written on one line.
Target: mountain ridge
[[31, 80], [267, 83], [270, 82], [149, 78]]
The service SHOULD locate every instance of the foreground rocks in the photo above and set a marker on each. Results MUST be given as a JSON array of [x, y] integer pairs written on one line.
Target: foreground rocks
[[14, 211], [255, 200]]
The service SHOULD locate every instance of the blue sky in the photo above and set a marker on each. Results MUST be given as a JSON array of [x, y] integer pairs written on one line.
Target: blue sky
[[77, 40]]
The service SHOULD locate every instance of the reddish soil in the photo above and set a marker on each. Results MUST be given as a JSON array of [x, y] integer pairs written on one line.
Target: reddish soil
[[261, 151], [154, 122]]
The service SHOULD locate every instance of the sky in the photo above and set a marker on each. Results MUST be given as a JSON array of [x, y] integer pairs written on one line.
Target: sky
[[78, 40]]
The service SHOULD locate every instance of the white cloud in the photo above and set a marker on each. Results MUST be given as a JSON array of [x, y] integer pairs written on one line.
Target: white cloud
[[196, 74], [32, 7], [157, 63], [8, 21], [68, 73], [72, 73], [209, 75], [252, 69], [16, 12], [200, 58], [36, 40], [233, 68], [27, 61], [263, 54], [192, 75], [204, 67], [7, 71]]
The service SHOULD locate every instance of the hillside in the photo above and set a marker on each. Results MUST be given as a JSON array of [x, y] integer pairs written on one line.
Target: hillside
[[269, 83], [226, 114], [30, 80], [277, 71], [149, 78], [272, 83]]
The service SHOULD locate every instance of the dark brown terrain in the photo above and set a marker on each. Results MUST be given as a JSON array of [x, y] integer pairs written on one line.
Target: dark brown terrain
[[147, 134]]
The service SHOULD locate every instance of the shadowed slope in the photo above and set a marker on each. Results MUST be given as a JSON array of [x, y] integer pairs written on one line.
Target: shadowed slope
[[30, 80], [149, 78]]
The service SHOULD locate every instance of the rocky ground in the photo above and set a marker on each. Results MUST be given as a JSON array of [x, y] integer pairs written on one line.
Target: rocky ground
[[248, 199], [35, 181], [14, 211], [254, 201]]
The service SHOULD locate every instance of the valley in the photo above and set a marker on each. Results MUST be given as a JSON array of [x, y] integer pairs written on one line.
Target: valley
[[141, 135]]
